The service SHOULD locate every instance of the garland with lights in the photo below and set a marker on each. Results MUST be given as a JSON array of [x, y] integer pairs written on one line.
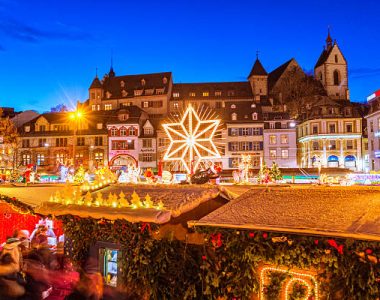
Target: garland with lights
[[17, 205]]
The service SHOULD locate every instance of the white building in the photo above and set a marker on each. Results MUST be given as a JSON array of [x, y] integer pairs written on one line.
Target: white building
[[373, 126]]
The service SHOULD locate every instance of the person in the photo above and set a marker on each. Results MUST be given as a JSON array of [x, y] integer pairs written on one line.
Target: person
[[11, 277], [23, 237]]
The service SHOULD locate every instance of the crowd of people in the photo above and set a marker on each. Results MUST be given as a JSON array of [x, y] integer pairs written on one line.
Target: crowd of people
[[32, 268]]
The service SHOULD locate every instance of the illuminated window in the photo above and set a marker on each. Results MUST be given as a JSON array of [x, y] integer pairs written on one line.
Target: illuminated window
[[284, 153], [205, 94], [175, 105], [148, 131], [143, 82], [272, 154], [272, 139], [272, 125], [41, 142], [93, 107], [192, 94], [254, 116], [113, 132], [284, 138], [40, 159], [218, 93], [145, 104], [123, 131], [137, 92], [26, 159], [176, 95], [107, 106], [234, 117], [234, 131], [98, 157], [233, 146], [61, 157], [98, 141], [99, 126]]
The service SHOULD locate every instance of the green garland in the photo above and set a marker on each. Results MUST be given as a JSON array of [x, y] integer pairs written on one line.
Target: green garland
[[17, 205]]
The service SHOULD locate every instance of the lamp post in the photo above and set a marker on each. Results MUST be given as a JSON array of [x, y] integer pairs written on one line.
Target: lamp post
[[75, 116]]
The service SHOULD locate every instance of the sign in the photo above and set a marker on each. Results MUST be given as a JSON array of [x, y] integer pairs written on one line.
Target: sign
[[147, 150], [373, 96]]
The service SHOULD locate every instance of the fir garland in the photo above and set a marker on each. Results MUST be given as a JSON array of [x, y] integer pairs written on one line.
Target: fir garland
[[17, 205]]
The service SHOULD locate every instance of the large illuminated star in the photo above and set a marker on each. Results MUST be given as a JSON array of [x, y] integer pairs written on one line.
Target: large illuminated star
[[189, 138]]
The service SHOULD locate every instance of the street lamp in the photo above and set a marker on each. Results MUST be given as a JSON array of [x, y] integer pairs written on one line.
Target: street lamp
[[75, 116]]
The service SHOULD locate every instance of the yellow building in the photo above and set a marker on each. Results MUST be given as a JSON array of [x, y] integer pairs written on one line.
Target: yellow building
[[331, 135]]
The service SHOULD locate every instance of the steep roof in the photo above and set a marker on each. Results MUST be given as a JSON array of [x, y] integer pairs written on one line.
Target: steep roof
[[275, 75], [257, 69], [243, 111], [227, 90], [323, 57], [129, 83], [96, 83]]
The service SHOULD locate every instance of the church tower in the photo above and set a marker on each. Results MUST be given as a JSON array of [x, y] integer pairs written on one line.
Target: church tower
[[331, 70], [95, 94], [258, 79]]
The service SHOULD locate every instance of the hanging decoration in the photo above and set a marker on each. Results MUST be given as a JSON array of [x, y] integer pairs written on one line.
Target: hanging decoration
[[190, 138]]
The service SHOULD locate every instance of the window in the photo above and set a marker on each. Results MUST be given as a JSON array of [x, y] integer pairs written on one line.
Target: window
[[284, 153], [40, 159], [93, 107], [233, 146], [107, 106], [93, 96], [218, 93], [147, 143], [371, 126], [233, 106], [234, 131], [272, 139], [332, 145], [315, 145], [218, 104], [231, 93], [26, 160], [348, 127], [143, 82], [147, 157], [244, 131], [254, 116], [123, 131], [315, 129], [336, 58], [176, 105], [332, 128], [162, 142], [41, 142], [132, 131], [61, 142], [25, 143], [256, 131], [99, 126], [272, 125], [256, 146], [113, 132], [372, 145], [80, 141], [350, 145], [131, 144], [192, 94], [159, 91], [205, 94], [145, 104], [148, 131], [336, 77], [42, 128], [284, 139], [175, 95], [61, 157], [137, 92], [245, 146], [98, 141], [27, 128], [234, 117], [365, 146], [272, 153]]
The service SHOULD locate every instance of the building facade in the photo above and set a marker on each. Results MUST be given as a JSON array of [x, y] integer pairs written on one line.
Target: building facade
[[373, 130]]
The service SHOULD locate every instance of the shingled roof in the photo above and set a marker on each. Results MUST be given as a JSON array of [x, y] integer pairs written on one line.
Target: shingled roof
[[323, 57], [232, 90], [257, 69], [96, 83], [277, 73]]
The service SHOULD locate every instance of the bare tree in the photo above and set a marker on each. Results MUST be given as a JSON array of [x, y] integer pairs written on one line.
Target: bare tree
[[8, 143]]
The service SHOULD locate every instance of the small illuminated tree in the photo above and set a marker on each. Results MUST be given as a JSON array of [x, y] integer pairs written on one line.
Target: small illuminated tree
[[275, 172]]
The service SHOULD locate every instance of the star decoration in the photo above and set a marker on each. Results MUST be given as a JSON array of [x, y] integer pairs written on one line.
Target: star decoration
[[189, 138]]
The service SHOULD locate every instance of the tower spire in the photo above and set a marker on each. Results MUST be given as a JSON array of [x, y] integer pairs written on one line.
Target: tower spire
[[328, 39], [111, 72], [257, 54]]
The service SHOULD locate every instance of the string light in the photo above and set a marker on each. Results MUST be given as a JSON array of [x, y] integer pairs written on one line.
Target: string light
[[297, 277]]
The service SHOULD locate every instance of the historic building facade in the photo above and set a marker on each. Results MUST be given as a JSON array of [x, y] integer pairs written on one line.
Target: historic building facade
[[373, 130]]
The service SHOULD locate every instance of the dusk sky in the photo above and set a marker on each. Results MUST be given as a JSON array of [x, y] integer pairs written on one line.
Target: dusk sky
[[49, 50]]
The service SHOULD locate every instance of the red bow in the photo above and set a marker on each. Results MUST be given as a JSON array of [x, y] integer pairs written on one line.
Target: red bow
[[216, 240], [334, 244], [145, 225]]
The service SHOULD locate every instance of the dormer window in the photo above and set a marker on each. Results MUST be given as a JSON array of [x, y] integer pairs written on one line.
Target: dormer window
[[124, 93], [27, 128], [253, 105], [107, 106], [205, 94], [148, 131], [254, 116], [149, 92], [143, 82], [99, 126], [123, 117], [159, 91], [108, 94], [122, 84], [233, 106], [234, 117], [175, 95], [138, 92], [164, 80]]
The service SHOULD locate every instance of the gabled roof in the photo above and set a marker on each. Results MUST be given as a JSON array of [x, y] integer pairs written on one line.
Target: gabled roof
[[275, 75], [325, 55], [96, 83], [257, 69]]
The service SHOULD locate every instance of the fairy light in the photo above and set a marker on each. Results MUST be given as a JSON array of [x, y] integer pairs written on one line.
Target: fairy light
[[188, 137], [288, 284]]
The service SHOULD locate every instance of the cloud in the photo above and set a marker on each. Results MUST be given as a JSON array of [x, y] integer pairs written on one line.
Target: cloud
[[364, 72], [27, 33]]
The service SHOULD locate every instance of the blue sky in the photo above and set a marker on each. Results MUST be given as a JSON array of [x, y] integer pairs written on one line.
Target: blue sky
[[49, 50]]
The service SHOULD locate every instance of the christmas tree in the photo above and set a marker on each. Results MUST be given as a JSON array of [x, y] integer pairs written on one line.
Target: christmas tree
[[79, 175], [263, 175], [275, 172]]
